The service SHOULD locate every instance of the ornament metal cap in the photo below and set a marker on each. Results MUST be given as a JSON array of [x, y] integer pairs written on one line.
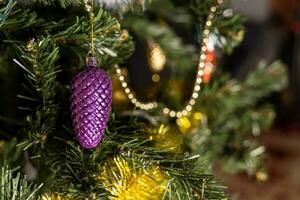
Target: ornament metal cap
[[91, 61]]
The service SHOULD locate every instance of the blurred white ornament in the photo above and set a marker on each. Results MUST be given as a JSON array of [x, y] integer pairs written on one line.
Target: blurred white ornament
[[157, 57]]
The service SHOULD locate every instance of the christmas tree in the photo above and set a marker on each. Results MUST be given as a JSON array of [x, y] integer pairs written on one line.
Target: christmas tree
[[170, 122]]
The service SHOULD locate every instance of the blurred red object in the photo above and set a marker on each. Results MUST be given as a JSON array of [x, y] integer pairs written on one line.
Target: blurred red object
[[210, 62]]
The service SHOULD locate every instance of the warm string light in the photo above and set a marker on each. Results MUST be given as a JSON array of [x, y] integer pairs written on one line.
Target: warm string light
[[199, 79], [157, 57]]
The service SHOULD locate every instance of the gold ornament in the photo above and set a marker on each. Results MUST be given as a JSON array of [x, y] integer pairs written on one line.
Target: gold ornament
[[157, 57], [167, 137], [125, 181], [192, 121]]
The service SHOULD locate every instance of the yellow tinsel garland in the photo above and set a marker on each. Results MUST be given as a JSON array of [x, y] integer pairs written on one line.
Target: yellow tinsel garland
[[125, 181]]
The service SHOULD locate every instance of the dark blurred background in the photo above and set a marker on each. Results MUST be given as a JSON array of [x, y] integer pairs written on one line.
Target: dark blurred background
[[272, 32]]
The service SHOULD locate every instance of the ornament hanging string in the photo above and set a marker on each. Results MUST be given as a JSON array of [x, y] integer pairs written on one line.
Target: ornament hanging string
[[92, 48], [199, 79], [90, 9]]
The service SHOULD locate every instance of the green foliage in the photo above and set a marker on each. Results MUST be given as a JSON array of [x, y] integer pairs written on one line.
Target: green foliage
[[243, 116], [15, 187], [190, 181], [233, 95], [49, 38], [58, 3], [6, 12], [127, 137], [41, 55]]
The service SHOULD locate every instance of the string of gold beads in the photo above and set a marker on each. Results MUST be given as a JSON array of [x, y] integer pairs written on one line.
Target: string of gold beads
[[197, 86]]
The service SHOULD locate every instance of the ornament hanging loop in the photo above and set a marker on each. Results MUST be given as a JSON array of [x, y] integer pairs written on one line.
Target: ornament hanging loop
[[91, 61]]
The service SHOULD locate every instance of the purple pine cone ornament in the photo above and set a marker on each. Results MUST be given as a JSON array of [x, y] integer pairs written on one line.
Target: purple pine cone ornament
[[91, 96]]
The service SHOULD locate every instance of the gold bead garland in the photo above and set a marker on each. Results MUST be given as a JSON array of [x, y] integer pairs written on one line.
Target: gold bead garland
[[197, 86]]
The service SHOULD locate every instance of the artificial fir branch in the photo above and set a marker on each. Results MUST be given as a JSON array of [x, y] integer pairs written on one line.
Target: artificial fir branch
[[72, 34], [77, 176], [19, 19], [56, 3], [41, 56], [229, 134], [5, 11], [70, 170], [14, 186], [232, 95]]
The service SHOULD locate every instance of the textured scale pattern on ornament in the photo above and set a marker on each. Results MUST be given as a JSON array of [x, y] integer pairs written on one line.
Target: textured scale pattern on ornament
[[91, 96]]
